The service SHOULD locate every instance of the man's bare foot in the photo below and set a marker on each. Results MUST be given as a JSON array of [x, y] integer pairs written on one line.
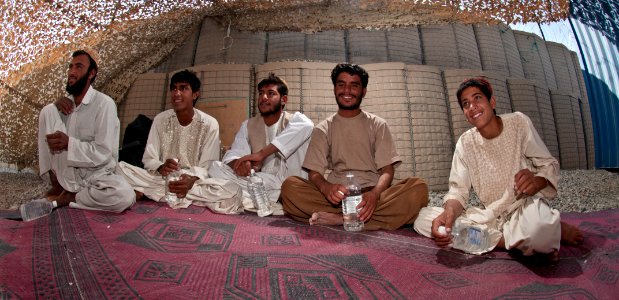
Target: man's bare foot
[[65, 198], [571, 235], [553, 257], [325, 218], [501, 244], [56, 188]]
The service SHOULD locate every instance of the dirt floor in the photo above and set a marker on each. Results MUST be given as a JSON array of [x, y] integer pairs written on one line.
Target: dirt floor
[[17, 188], [579, 190]]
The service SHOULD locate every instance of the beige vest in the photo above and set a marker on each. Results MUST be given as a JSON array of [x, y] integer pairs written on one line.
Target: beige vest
[[256, 133]]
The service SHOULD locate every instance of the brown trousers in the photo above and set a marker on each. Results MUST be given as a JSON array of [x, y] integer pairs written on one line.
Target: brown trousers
[[398, 205]]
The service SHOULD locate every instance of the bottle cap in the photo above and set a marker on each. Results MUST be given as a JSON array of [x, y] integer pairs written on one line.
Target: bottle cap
[[441, 230]]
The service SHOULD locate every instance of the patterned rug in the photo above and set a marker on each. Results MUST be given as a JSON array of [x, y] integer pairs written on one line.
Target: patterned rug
[[154, 252]]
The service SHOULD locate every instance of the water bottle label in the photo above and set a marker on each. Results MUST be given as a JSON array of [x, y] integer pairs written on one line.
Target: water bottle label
[[475, 236], [350, 204]]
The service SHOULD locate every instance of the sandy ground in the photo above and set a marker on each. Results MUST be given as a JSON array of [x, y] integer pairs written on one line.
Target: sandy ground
[[579, 190], [17, 188]]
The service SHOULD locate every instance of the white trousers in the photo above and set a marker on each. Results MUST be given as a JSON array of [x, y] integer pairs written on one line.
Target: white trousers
[[272, 185], [532, 227], [96, 189], [220, 196]]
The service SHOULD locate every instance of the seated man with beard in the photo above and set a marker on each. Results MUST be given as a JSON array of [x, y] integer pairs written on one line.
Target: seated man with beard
[[273, 143], [78, 144]]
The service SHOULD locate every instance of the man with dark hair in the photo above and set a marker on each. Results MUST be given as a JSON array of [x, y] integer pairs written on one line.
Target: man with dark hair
[[273, 144], [353, 140], [183, 139], [78, 144], [507, 164]]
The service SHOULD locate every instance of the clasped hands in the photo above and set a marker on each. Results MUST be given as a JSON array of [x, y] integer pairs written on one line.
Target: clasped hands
[[59, 141], [181, 186], [242, 166], [336, 193]]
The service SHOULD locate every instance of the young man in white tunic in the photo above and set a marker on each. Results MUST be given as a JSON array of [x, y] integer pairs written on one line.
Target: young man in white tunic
[[187, 139], [78, 143], [273, 144], [505, 161]]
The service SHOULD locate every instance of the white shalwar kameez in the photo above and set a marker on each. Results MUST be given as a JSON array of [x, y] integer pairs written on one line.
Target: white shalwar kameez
[[489, 166], [196, 146], [290, 135], [87, 166]]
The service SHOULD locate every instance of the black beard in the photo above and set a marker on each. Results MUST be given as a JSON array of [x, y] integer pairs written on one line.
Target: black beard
[[78, 86], [353, 107], [270, 113]]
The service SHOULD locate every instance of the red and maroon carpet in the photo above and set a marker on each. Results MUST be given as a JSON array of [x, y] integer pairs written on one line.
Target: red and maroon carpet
[[153, 252]]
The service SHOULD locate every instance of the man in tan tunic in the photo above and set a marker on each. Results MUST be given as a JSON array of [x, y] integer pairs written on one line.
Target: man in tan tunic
[[513, 173], [356, 141]]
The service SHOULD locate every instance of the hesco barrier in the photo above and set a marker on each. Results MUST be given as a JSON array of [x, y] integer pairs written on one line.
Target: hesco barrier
[[417, 100]]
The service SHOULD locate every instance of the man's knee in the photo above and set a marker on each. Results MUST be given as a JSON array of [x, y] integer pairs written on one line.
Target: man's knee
[[291, 184], [126, 197], [423, 222]]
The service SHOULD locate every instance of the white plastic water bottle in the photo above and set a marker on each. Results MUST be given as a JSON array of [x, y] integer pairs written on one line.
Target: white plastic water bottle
[[36, 209], [349, 205], [469, 238], [170, 197], [259, 197]]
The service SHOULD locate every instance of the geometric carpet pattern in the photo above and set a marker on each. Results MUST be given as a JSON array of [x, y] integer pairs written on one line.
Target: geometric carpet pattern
[[153, 252]]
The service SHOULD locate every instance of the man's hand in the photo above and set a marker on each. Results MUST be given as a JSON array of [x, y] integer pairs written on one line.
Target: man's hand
[[169, 166], [57, 141], [182, 186], [242, 169], [64, 105], [527, 184], [335, 193], [446, 219], [244, 164], [368, 205]]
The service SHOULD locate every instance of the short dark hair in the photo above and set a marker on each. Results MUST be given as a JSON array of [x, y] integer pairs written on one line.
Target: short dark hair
[[351, 69], [189, 77], [282, 86], [479, 82], [93, 63]]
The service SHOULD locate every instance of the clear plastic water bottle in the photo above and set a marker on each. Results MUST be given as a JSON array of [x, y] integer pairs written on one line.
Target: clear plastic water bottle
[[349, 205], [469, 238], [259, 197], [170, 197], [36, 209]]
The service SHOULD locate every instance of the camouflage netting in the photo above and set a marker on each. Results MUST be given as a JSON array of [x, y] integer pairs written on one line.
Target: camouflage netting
[[131, 37]]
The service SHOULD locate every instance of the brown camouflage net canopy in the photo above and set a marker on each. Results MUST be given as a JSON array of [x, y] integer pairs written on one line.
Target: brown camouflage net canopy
[[131, 37]]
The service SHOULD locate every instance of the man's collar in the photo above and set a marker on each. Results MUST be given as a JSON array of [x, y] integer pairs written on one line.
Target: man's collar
[[90, 94]]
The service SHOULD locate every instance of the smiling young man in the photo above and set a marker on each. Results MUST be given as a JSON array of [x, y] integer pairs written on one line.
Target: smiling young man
[[273, 143], [78, 143], [507, 164], [353, 140], [187, 139]]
